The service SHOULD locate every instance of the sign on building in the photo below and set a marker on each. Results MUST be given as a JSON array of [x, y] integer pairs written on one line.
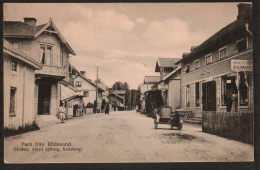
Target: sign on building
[[241, 65]]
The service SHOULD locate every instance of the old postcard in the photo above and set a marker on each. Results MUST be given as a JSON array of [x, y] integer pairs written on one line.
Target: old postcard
[[128, 82]]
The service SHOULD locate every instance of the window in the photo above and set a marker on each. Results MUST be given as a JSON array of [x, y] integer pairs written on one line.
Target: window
[[187, 69], [12, 101], [197, 94], [85, 93], [208, 59], [61, 57], [223, 53], [241, 45], [243, 89], [46, 54], [228, 86], [13, 65], [188, 96], [78, 83], [197, 64]]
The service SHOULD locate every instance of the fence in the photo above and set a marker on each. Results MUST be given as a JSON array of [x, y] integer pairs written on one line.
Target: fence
[[234, 125]]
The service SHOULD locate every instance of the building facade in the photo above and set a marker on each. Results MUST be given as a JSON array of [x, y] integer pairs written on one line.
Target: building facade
[[45, 44], [18, 87], [210, 79]]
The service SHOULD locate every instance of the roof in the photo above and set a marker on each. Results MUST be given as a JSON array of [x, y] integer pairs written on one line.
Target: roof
[[90, 82], [9, 50], [118, 91], [171, 73], [165, 62], [228, 30], [18, 29], [72, 97], [113, 93], [151, 79]]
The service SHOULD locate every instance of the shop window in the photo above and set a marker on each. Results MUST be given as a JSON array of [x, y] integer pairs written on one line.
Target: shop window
[[243, 89], [197, 94], [46, 54], [228, 86], [13, 65], [208, 59], [78, 83], [223, 53], [197, 64], [241, 45], [12, 101], [187, 95], [85, 94]]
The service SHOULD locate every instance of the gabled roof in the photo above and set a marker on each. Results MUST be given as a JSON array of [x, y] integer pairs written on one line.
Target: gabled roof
[[165, 63], [18, 29], [122, 92], [90, 82], [9, 50], [151, 79]]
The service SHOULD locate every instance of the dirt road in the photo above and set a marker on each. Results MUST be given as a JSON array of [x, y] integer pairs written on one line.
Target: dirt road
[[121, 137]]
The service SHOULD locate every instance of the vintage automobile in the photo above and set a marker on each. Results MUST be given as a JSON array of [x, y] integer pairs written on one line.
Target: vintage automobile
[[165, 115]]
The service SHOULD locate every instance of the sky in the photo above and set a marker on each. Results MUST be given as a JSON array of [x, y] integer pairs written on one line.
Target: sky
[[125, 39]]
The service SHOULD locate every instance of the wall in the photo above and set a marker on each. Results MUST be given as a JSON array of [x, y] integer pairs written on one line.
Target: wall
[[211, 72], [23, 80], [174, 93]]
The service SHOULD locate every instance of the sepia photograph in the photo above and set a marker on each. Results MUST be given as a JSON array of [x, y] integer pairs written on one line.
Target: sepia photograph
[[128, 82]]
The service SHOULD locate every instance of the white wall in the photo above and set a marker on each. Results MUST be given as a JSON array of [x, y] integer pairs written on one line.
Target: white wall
[[23, 80]]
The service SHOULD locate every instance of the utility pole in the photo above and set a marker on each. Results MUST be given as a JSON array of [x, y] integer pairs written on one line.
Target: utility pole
[[97, 88]]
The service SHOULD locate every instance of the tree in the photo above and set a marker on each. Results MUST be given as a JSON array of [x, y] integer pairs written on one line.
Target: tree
[[120, 86]]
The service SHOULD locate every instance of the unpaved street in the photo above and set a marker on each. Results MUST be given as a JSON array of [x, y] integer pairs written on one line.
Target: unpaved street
[[123, 137]]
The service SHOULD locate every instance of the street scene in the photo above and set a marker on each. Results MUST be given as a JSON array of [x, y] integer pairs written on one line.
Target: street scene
[[125, 137], [128, 82]]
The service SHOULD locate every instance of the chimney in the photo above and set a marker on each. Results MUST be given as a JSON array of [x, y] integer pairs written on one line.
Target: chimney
[[30, 21], [244, 12], [83, 73], [193, 48]]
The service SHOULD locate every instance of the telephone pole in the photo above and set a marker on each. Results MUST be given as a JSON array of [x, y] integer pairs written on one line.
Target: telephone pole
[[97, 87]]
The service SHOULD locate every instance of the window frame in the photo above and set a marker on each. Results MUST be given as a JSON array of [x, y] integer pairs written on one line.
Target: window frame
[[46, 46], [195, 96], [242, 39], [16, 65], [78, 83], [223, 48], [187, 97], [86, 91], [207, 56], [195, 64], [12, 111]]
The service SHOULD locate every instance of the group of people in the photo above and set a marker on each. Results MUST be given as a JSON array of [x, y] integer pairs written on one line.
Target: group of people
[[104, 108]]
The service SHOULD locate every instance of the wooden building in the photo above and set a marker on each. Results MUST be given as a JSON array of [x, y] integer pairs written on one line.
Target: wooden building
[[18, 81], [88, 88], [220, 67], [45, 44]]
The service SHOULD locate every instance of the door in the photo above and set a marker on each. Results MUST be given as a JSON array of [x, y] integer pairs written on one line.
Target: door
[[209, 96], [44, 95]]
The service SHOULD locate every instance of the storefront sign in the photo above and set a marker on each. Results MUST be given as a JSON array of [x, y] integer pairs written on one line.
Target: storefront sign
[[241, 65]]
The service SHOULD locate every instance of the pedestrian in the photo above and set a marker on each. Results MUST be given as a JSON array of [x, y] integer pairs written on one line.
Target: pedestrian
[[107, 107], [103, 105], [234, 98], [61, 112], [95, 106]]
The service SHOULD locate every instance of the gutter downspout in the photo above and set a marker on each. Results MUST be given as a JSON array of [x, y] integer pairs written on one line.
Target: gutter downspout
[[247, 29]]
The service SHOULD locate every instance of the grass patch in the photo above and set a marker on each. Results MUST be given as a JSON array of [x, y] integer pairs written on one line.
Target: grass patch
[[22, 129]]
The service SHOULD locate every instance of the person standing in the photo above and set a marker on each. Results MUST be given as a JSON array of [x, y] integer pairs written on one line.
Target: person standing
[[61, 112]]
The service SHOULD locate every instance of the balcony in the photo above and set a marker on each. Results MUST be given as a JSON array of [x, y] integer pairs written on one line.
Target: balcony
[[52, 71]]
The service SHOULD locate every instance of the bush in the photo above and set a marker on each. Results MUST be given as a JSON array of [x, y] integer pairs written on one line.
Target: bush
[[90, 105], [20, 130]]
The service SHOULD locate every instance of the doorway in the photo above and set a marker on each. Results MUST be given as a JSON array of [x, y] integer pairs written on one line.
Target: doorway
[[44, 96], [209, 96]]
